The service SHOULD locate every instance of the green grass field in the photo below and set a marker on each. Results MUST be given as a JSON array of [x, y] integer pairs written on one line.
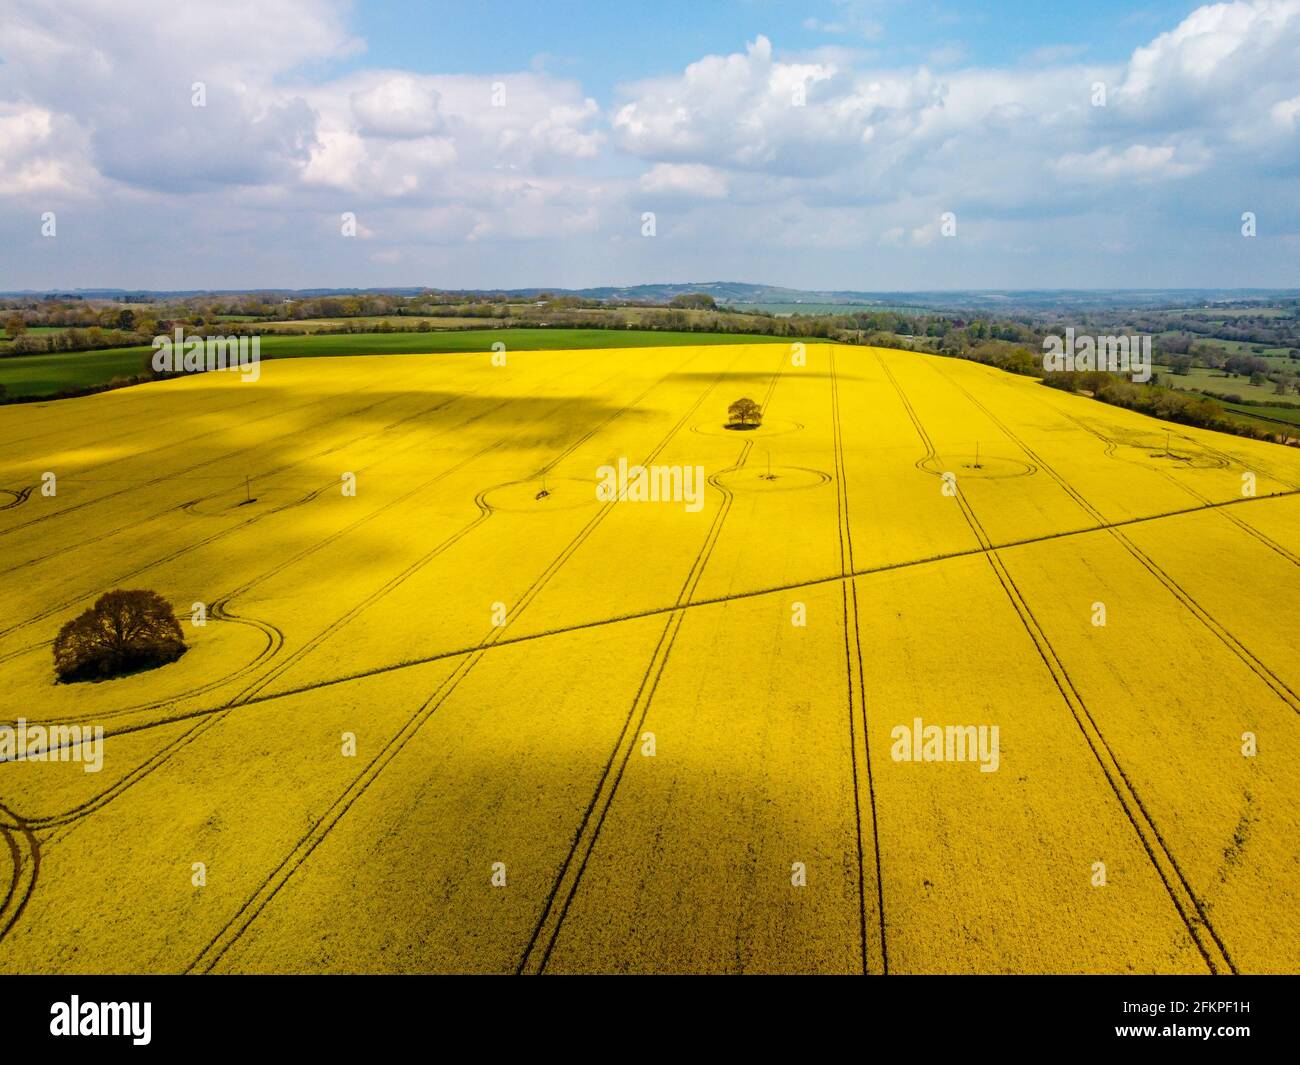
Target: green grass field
[[43, 375], [7, 344], [1263, 417], [1202, 380], [1244, 347]]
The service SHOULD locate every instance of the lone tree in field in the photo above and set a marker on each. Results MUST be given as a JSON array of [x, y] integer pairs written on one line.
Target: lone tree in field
[[122, 632], [743, 414]]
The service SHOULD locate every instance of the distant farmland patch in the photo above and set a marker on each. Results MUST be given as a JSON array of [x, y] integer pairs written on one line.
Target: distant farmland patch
[[1199, 379]]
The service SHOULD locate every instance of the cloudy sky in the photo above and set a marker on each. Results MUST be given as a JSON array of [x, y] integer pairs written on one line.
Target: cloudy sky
[[186, 144]]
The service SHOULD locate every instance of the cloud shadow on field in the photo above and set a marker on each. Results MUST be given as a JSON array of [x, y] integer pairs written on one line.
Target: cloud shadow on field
[[299, 441], [308, 417], [413, 885], [555, 421], [560, 419]]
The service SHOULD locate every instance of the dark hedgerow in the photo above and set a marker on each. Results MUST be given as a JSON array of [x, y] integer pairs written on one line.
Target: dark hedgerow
[[125, 631]]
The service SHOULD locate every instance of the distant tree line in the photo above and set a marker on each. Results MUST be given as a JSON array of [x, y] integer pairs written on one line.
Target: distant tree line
[[1013, 343]]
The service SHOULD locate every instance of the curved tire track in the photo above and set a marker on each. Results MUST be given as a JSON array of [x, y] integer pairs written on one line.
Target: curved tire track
[[25, 852]]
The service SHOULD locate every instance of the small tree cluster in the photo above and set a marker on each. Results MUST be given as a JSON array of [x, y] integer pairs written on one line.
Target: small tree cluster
[[123, 631], [744, 413], [694, 301]]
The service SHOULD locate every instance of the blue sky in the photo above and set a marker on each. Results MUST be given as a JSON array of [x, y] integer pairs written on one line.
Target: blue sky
[[605, 44], [862, 144]]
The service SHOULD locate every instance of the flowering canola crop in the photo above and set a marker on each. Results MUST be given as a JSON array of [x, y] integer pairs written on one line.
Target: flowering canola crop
[[933, 670]]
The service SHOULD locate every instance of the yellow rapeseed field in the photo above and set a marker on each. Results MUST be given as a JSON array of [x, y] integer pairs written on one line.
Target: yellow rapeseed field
[[935, 670]]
